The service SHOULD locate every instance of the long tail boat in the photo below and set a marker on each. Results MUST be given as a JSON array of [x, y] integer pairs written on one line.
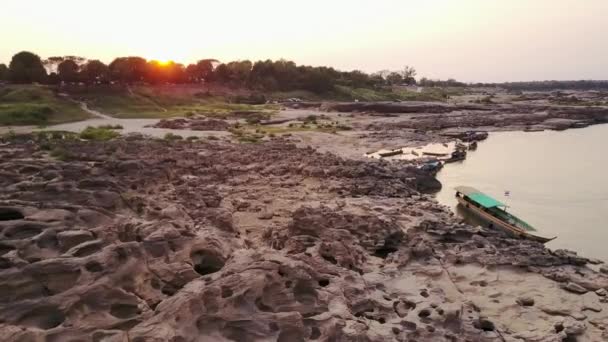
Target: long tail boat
[[495, 213]]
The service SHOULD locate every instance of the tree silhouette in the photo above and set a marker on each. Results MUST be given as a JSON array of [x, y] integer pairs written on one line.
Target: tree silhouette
[[26, 67]]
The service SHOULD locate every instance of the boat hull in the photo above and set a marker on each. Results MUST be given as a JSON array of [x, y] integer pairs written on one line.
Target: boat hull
[[495, 222]]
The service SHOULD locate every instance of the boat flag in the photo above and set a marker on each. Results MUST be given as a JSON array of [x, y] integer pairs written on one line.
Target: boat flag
[[507, 193]]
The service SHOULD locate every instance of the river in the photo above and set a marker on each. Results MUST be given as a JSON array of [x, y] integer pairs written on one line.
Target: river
[[557, 181]]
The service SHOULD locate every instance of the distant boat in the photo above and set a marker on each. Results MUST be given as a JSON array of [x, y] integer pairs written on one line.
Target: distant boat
[[494, 212]]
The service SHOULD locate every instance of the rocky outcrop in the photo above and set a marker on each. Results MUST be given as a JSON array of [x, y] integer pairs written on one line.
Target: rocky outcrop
[[195, 124], [147, 240]]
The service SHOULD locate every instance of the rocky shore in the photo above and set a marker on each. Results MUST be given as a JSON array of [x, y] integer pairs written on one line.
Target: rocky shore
[[139, 239]]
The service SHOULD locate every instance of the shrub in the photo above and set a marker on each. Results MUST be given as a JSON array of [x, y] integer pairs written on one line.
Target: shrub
[[172, 137], [98, 133], [60, 153], [111, 126]]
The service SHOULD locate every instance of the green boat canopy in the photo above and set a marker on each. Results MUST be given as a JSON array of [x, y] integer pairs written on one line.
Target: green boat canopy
[[479, 197]]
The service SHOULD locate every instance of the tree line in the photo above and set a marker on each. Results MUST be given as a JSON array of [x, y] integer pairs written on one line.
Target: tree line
[[280, 75]]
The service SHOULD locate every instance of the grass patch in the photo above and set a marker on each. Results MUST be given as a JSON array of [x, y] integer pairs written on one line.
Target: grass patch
[[344, 93], [98, 134], [36, 105], [60, 153], [160, 102]]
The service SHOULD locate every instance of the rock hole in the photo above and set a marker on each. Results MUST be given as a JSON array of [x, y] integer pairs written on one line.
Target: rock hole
[[124, 311], [323, 282], [43, 318], [93, 267], [24, 231], [559, 327], [288, 284], [424, 313], [9, 214], [384, 251], [424, 293], [396, 330], [261, 306], [381, 320], [206, 262], [411, 326], [226, 292], [330, 259], [168, 290], [315, 333], [290, 335], [304, 292], [5, 263], [5, 249], [273, 326], [48, 241], [484, 324], [430, 328]]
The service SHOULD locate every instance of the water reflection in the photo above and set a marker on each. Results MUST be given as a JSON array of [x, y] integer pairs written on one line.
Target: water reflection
[[557, 183]]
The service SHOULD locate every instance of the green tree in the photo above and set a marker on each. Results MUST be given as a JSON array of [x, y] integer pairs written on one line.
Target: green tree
[[26, 67], [95, 71], [3, 72], [68, 71]]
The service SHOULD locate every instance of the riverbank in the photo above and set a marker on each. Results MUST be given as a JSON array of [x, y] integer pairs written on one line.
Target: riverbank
[[139, 239]]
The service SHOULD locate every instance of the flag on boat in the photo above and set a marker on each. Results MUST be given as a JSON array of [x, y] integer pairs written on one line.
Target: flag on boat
[[507, 193]]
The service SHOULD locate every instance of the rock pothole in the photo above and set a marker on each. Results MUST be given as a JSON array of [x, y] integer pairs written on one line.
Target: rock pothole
[[206, 262], [43, 318], [10, 214], [124, 311], [24, 231]]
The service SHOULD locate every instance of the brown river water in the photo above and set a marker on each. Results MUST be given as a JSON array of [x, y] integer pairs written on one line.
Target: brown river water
[[557, 182]]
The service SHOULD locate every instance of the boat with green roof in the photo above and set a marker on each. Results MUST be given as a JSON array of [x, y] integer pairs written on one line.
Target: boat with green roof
[[495, 213]]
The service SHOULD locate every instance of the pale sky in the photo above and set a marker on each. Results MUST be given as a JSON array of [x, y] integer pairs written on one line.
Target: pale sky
[[470, 40]]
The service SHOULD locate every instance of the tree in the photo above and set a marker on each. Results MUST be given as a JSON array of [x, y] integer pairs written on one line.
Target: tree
[[3, 72], [128, 69], [169, 72], [221, 74], [204, 69], [409, 74], [26, 67], [394, 78], [68, 71], [94, 71]]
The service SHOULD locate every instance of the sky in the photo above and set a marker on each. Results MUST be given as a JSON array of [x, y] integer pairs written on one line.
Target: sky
[[469, 40]]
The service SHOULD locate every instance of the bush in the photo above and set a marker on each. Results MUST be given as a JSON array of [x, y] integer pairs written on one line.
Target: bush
[[24, 114], [192, 138], [98, 133], [60, 153], [111, 126], [172, 137]]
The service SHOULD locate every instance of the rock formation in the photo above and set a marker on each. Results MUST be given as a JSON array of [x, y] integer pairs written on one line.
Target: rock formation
[[147, 240]]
